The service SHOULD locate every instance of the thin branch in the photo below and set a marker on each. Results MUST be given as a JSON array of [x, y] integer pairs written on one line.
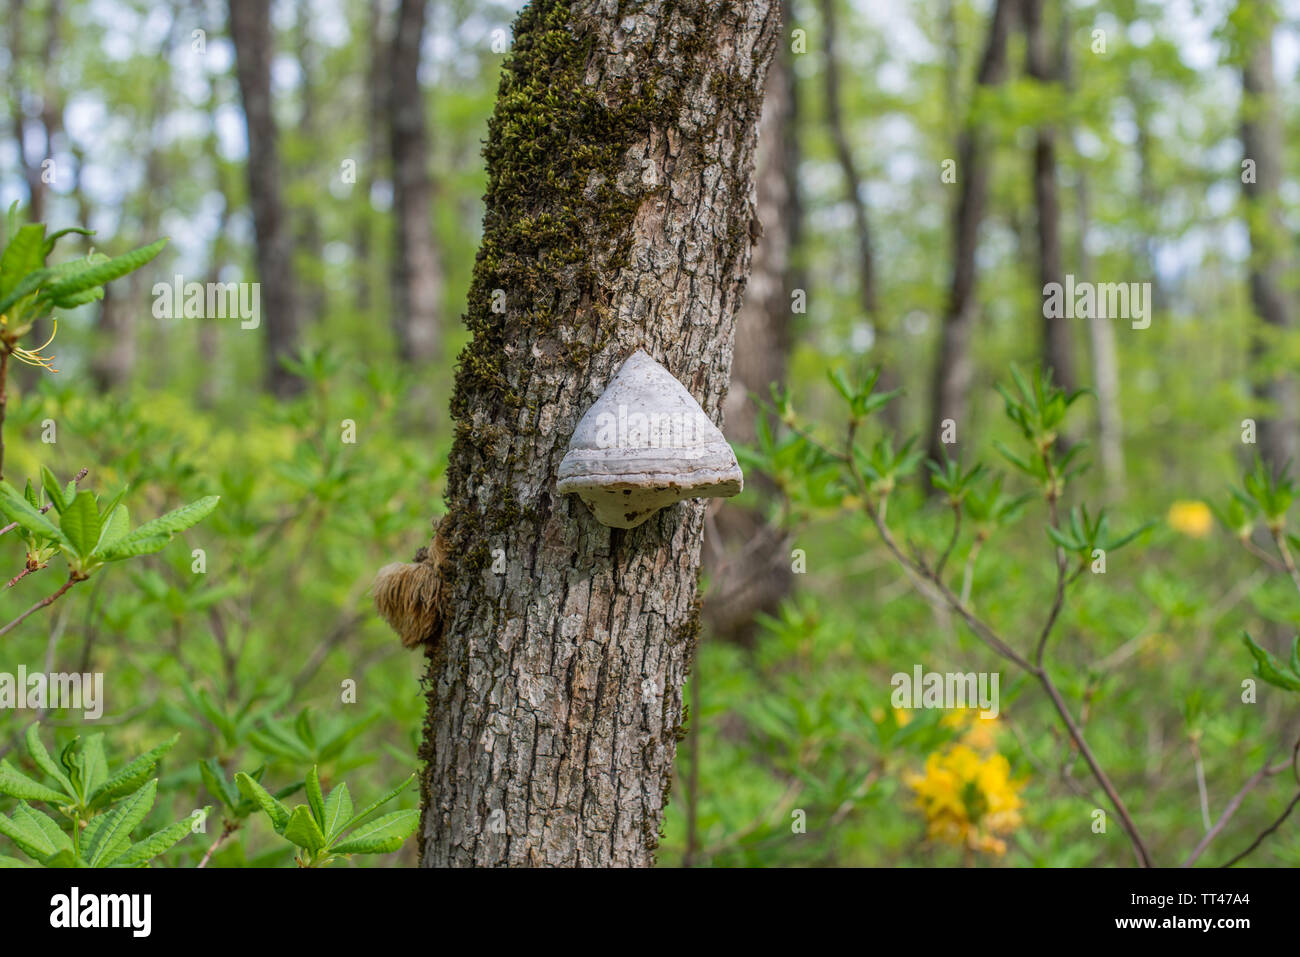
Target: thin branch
[[229, 828], [1267, 831], [1200, 783], [43, 603], [968, 576], [1231, 809]]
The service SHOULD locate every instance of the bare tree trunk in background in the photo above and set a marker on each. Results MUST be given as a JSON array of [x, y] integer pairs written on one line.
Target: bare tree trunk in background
[[309, 244], [1261, 136], [618, 217], [417, 270], [377, 98], [120, 313], [867, 286], [208, 388], [1101, 331], [748, 560], [31, 171], [1058, 341], [953, 371], [250, 29], [51, 120]]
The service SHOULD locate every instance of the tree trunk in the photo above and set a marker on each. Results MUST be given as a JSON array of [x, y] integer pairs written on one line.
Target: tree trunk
[[747, 560], [950, 387], [309, 243], [31, 171], [1058, 343], [417, 270], [250, 29], [1261, 136], [113, 362], [1101, 331], [619, 210], [377, 100], [867, 287]]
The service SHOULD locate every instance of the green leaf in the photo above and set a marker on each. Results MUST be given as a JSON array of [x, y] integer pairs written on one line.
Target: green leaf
[[314, 797], [17, 509], [94, 765], [16, 784], [277, 812], [123, 549], [131, 777], [214, 779], [53, 490], [383, 835], [6, 861], [371, 808], [26, 286], [31, 841], [153, 845], [60, 291], [114, 530], [303, 829], [338, 808], [54, 237], [30, 818], [80, 523], [36, 748], [152, 536], [1269, 668], [114, 836], [24, 255]]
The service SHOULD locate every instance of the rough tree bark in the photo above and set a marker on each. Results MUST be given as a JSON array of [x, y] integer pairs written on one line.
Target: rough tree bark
[[250, 30], [747, 560], [1261, 136], [618, 216], [417, 268], [1058, 343], [951, 383]]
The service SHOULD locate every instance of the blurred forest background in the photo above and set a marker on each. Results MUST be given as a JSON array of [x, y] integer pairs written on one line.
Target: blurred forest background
[[1099, 139]]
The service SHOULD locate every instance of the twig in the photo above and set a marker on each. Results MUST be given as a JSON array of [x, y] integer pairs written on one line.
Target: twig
[[986, 634], [1200, 783], [4, 402], [968, 576], [952, 542], [229, 828], [1280, 538], [1267, 831], [43, 603], [1231, 809], [27, 570]]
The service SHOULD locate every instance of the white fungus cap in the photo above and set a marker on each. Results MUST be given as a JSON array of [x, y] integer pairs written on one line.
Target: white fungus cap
[[643, 445]]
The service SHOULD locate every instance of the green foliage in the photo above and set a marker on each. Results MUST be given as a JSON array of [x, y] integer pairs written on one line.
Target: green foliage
[[31, 290], [811, 705], [95, 810], [1283, 675], [326, 827]]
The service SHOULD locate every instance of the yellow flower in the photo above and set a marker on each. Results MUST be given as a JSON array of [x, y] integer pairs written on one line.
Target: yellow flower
[[33, 357], [977, 732], [968, 800], [1191, 518]]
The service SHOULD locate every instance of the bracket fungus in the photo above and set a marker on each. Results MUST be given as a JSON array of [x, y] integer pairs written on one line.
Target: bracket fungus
[[643, 445]]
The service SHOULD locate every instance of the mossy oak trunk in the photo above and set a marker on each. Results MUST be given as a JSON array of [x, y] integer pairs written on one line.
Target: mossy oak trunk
[[619, 215]]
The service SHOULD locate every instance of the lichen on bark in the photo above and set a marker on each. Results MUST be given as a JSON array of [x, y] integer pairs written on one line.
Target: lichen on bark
[[617, 217]]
